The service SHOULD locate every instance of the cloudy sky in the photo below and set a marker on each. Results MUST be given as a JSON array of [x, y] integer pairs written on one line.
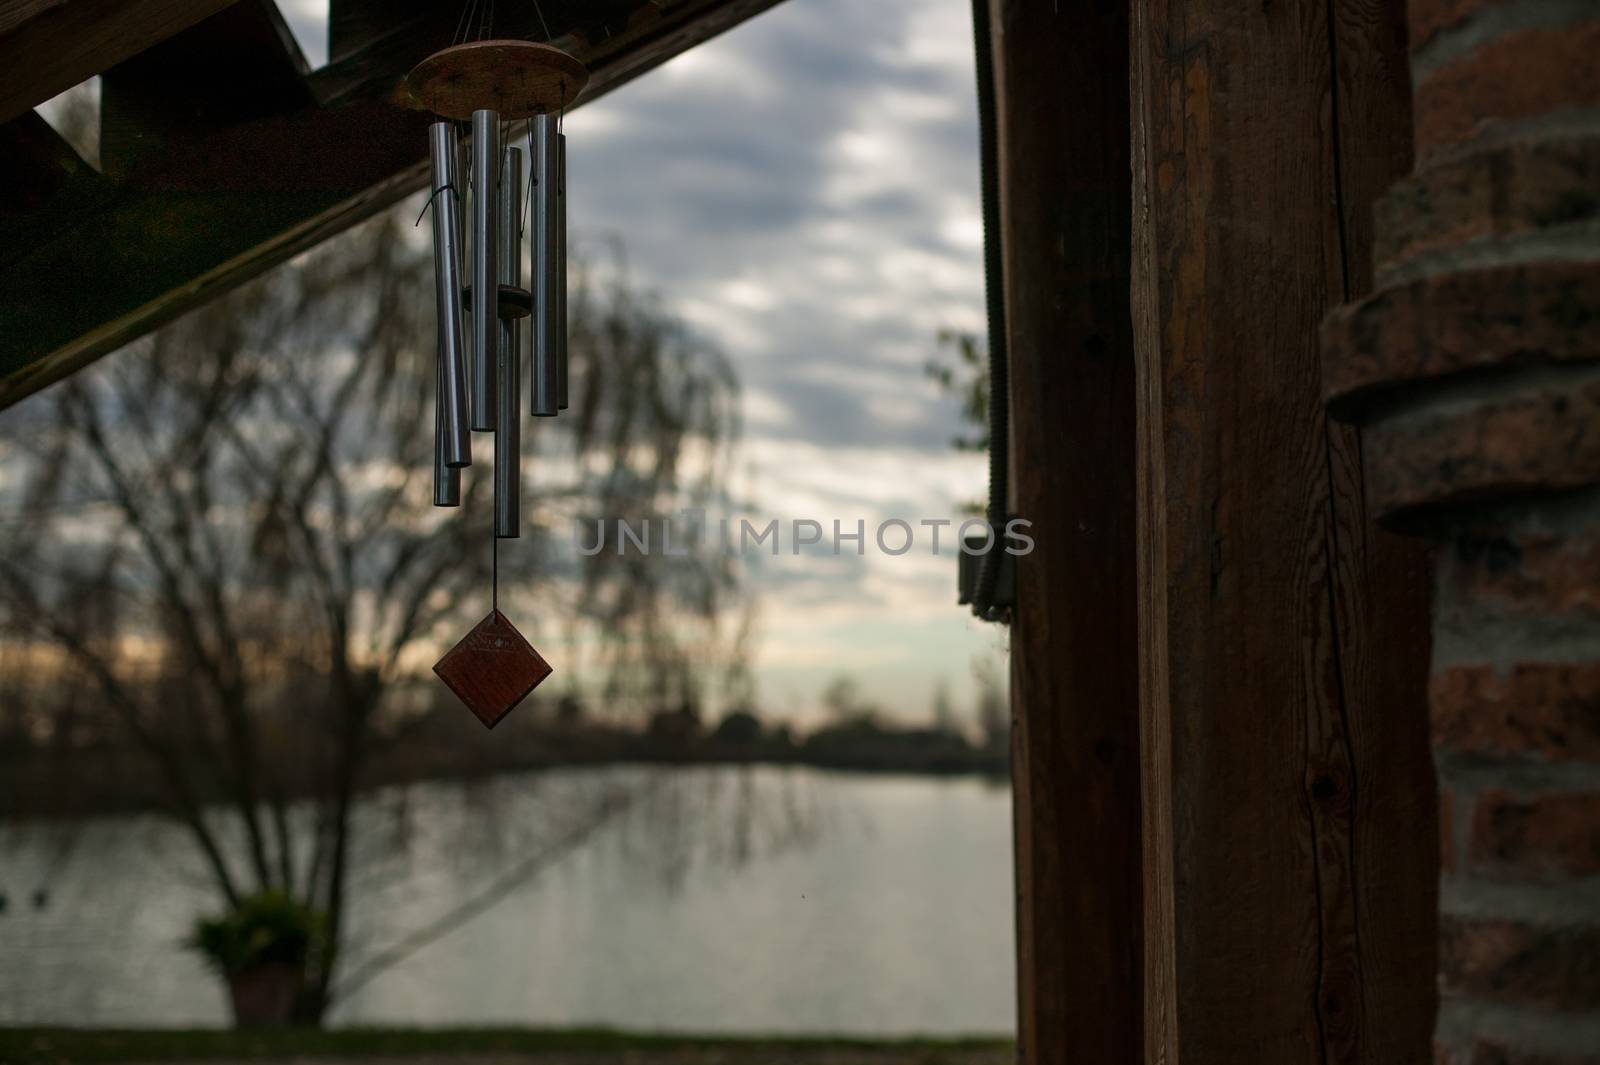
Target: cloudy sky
[[804, 191]]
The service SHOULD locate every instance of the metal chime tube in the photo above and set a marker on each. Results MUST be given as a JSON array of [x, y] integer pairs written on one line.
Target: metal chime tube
[[561, 271], [452, 442], [463, 168], [508, 434], [545, 400], [446, 478], [485, 272]]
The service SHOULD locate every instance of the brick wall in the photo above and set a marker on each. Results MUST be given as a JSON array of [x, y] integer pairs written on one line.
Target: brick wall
[[1474, 369]]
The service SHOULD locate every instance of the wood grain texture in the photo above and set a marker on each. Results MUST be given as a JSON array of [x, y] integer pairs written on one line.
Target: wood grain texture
[[48, 47], [1382, 608], [519, 79], [492, 669], [1063, 135], [226, 206], [1286, 775], [1147, 296]]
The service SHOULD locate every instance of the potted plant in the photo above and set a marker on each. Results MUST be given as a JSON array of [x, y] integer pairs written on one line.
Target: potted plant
[[261, 947]]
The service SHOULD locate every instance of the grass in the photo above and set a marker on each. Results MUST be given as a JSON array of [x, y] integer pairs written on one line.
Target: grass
[[27, 1046]]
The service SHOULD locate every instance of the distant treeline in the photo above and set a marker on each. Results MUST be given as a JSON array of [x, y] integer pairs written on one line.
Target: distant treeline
[[44, 779]]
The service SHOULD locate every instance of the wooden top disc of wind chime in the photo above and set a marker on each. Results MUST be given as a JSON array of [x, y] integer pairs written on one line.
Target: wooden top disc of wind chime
[[519, 79]]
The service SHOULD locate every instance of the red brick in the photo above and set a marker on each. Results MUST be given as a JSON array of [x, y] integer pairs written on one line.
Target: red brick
[[1545, 708], [1523, 568], [1442, 325], [1447, 830], [1518, 75], [1488, 1052], [1536, 835], [1497, 193], [1516, 962], [1543, 437], [1428, 17]]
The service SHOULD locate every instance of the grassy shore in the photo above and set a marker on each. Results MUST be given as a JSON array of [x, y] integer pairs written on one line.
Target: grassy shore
[[27, 1046]]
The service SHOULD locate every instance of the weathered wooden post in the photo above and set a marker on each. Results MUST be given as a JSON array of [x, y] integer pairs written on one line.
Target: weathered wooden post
[[1289, 905], [1063, 170]]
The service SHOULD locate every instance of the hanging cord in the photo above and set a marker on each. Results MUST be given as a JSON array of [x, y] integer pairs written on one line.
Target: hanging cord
[[464, 23], [995, 307], [431, 197], [527, 193]]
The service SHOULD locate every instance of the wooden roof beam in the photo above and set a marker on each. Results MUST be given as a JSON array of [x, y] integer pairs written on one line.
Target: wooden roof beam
[[212, 212], [374, 42], [237, 65], [48, 46], [42, 177]]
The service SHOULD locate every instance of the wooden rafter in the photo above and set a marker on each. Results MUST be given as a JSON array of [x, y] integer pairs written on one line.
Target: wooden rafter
[[218, 205], [48, 46]]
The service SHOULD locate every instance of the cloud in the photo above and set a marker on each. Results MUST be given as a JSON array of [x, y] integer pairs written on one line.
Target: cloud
[[308, 22], [804, 191]]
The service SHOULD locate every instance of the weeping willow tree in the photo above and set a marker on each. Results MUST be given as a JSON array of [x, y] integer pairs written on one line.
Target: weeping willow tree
[[226, 532]]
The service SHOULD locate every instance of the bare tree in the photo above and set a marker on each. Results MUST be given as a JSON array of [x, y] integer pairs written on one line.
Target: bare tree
[[226, 530]]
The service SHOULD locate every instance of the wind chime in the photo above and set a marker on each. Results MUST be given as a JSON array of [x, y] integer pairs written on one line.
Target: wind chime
[[488, 86]]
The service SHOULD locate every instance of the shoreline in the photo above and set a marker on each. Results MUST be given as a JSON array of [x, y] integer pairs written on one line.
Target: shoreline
[[482, 1046], [47, 786]]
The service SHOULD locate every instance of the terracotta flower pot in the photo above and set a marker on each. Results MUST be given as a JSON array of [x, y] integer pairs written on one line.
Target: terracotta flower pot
[[263, 995]]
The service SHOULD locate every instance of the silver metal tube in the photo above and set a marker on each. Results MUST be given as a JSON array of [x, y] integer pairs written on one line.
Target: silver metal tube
[[446, 478], [458, 178], [455, 443], [485, 274], [461, 178], [508, 434], [544, 224], [561, 271]]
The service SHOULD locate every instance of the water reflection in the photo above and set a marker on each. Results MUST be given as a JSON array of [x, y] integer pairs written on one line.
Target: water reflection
[[716, 899]]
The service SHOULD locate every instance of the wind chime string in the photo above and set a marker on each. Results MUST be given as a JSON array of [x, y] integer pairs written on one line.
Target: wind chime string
[[446, 187], [533, 176], [463, 22]]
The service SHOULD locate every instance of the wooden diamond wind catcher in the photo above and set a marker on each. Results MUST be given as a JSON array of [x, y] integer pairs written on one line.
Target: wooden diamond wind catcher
[[492, 669], [479, 90]]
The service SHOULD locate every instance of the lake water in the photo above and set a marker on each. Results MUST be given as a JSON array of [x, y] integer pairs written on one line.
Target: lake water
[[734, 900]]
